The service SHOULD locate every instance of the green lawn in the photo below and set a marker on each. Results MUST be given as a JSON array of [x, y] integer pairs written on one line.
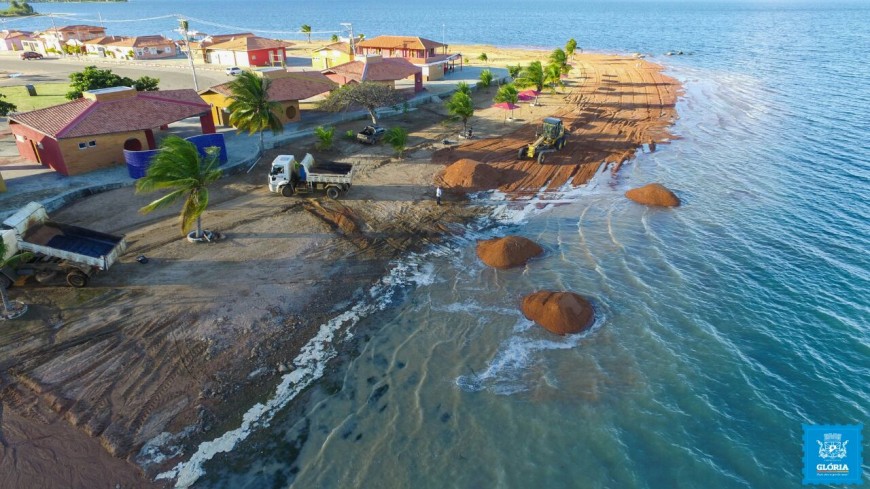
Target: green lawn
[[48, 94]]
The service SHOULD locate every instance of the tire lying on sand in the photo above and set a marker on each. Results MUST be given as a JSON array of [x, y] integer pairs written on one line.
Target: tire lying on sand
[[559, 312], [507, 252], [654, 194]]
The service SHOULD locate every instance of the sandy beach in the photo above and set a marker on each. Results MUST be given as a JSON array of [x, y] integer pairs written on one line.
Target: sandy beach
[[190, 340]]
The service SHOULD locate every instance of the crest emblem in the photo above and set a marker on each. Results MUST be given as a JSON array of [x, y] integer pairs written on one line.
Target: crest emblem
[[833, 448]]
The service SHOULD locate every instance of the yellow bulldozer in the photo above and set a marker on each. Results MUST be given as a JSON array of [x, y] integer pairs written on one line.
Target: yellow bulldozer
[[551, 139]]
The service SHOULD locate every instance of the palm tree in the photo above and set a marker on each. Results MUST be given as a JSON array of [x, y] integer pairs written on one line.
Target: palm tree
[[514, 71], [464, 88], [11, 310], [558, 57], [483, 57], [485, 79], [179, 166], [334, 38], [532, 76], [251, 110], [553, 76], [397, 137], [507, 93], [306, 29], [325, 137], [570, 47], [460, 105]]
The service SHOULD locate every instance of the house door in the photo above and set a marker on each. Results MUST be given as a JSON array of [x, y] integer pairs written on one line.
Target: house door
[[33, 145]]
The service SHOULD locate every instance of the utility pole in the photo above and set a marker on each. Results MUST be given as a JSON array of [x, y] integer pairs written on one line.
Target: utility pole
[[183, 24], [56, 35], [350, 36]]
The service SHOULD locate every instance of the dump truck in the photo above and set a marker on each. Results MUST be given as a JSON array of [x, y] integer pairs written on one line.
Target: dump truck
[[289, 177], [551, 139], [54, 248], [371, 134]]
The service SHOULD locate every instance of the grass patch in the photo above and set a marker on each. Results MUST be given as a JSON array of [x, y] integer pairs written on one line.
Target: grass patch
[[48, 94]]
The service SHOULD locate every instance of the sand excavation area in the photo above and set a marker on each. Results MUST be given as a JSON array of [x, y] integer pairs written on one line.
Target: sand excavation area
[[187, 342]]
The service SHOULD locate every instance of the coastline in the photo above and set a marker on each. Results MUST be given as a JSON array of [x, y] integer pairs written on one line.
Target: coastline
[[210, 333]]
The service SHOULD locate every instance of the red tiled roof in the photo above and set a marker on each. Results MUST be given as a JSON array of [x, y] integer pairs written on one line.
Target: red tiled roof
[[399, 42], [103, 40], [218, 38], [386, 69], [14, 34], [338, 46], [142, 41], [298, 85], [247, 44], [83, 117], [77, 28]]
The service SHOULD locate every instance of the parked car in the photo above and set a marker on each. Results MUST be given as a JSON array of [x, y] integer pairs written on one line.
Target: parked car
[[30, 55], [235, 70], [371, 134]]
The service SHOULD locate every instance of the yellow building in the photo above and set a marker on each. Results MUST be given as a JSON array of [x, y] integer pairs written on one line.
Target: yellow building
[[331, 55], [287, 88]]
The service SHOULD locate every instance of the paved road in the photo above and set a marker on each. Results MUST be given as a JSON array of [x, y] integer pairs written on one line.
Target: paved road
[[173, 73]]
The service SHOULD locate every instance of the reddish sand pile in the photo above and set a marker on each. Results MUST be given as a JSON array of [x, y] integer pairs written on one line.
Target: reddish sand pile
[[507, 252], [559, 312], [653, 194], [468, 174]]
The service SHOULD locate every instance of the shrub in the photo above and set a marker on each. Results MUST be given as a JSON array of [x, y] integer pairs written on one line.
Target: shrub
[[325, 136], [397, 137]]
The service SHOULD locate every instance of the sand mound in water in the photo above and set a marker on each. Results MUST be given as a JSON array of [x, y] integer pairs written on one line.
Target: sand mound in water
[[507, 252], [468, 174], [559, 312], [653, 194]]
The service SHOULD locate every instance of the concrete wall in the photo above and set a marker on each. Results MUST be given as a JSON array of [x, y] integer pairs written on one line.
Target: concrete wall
[[28, 141]]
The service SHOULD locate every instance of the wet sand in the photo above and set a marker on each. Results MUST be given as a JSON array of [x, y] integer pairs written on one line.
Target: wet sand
[[189, 341]]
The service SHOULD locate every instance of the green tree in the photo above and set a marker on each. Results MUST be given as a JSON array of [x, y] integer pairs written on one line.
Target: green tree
[[553, 76], [485, 79], [306, 29], [325, 137], [251, 110], [16, 9], [483, 57], [558, 57], [464, 88], [397, 137], [146, 84], [93, 78], [180, 167], [461, 105], [11, 310], [334, 38], [532, 76], [507, 93], [570, 47], [368, 95], [6, 108], [514, 71]]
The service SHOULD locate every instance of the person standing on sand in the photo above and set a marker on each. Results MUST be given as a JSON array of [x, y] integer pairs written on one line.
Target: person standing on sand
[[438, 193]]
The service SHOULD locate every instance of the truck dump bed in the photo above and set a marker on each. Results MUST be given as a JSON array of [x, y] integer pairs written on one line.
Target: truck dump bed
[[332, 168]]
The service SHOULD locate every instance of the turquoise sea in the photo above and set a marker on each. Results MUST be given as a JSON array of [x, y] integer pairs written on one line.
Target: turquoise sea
[[724, 324]]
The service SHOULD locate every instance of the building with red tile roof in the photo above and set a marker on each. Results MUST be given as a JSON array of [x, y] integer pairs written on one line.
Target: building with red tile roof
[[419, 51], [375, 68], [287, 88], [242, 50], [11, 40], [138, 47], [91, 133], [56, 38]]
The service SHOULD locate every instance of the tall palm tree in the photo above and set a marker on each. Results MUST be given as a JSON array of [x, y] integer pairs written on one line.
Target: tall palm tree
[[10, 310], [306, 29], [180, 167], [570, 47], [251, 110], [532, 76]]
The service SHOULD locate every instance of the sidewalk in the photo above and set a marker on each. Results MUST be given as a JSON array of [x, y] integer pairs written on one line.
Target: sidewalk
[[29, 182]]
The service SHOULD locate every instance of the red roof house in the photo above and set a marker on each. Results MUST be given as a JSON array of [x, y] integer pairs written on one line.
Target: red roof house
[[91, 133], [247, 51], [419, 51], [375, 68]]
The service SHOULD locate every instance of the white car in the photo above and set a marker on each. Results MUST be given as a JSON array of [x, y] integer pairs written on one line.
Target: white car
[[235, 70]]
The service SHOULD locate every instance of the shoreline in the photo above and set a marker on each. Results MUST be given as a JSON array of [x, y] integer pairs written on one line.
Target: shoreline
[[200, 352]]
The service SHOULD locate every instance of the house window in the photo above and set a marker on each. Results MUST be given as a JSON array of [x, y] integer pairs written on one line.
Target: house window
[[91, 144], [83, 145]]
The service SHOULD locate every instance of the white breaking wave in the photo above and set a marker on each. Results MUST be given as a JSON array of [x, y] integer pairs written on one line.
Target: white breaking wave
[[310, 365]]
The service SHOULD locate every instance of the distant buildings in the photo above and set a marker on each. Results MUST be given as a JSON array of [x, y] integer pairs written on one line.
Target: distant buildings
[[138, 47], [11, 40], [331, 55], [420, 52]]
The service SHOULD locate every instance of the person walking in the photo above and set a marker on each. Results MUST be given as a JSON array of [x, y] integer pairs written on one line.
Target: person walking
[[438, 193]]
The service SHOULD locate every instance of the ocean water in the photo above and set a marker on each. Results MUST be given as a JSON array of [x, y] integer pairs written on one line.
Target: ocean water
[[723, 325]]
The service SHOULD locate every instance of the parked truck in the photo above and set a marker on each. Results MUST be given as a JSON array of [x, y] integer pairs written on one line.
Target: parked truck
[[289, 177], [55, 248]]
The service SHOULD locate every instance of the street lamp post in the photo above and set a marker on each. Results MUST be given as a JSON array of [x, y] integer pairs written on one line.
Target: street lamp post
[[183, 24]]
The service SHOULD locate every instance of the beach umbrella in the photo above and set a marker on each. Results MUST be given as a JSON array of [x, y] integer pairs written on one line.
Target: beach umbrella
[[528, 94], [507, 106]]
